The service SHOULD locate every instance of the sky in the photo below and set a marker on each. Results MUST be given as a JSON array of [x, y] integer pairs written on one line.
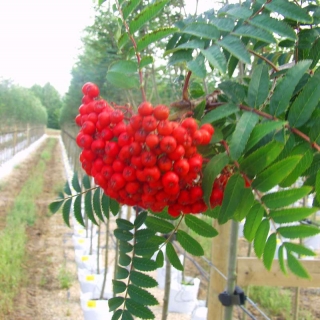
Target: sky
[[40, 39]]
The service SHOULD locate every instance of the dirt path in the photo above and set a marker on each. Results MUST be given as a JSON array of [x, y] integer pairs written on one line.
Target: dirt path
[[49, 248]]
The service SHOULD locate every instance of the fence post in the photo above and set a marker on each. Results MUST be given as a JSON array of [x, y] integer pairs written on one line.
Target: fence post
[[28, 134], [14, 140], [219, 258]]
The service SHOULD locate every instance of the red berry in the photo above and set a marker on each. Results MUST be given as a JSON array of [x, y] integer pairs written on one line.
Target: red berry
[[78, 120], [116, 116], [164, 163], [112, 149], [124, 139], [104, 118], [136, 121], [178, 153], [145, 109], [132, 187], [135, 148], [88, 127], [116, 182], [148, 159], [161, 112], [149, 123], [181, 167], [197, 137], [118, 166], [98, 147], [152, 140], [90, 89], [129, 173], [119, 128], [168, 144], [190, 125], [170, 180], [208, 127], [106, 134], [195, 163], [152, 174], [206, 137], [165, 127], [84, 140], [216, 197]]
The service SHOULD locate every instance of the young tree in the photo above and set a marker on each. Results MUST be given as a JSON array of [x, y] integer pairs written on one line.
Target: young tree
[[262, 59]]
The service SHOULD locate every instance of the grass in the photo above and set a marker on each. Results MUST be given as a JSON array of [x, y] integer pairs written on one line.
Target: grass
[[274, 300], [65, 277], [13, 237]]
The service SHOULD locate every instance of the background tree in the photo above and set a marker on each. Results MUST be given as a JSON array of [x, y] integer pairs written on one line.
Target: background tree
[[51, 100]]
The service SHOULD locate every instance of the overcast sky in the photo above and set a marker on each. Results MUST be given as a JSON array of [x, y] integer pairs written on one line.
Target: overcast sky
[[40, 39]]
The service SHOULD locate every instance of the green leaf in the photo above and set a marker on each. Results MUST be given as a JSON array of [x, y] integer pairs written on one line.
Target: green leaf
[[144, 234], [235, 47], [295, 232], [137, 294], [314, 53], [223, 24], [77, 210], [115, 303], [255, 33], [211, 171], [291, 214], [124, 67], [303, 107], [197, 66], [67, 189], [200, 227], [180, 56], [232, 196], [124, 259], [124, 224], [55, 206], [140, 219], [160, 259], [215, 57], [317, 186], [173, 257], [220, 113], [273, 175], [239, 12], [129, 7], [189, 243], [86, 181], [289, 10], [244, 205], [302, 166], [114, 206], [236, 92], [147, 248], [88, 207], [296, 267], [153, 37], [241, 134], [145, 61], [122, 80], [123, 40], [75, 182], [314, 134], [203, 30], [142, 280], [269, 251], [261, 130], [97, 204], [192, 44], [299, 249], [253, 221], [284, 198], [159, 225], [259, 86], [125, 246], [123, 235], [105, 205], [118, 286], [261, 237], [117, 315], [122, 273], [281, 259], [147, 14], [139, 310], [66, 211], [261, 158], [281, 97], [267, 23], [144, 264]]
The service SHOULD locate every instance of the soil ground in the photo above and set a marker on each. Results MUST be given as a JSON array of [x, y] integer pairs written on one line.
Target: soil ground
[[50, 248]]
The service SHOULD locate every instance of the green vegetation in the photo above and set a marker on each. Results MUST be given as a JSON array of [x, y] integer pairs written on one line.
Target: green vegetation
[[274, 300], [13, 237], [20, 105], [65, 277]]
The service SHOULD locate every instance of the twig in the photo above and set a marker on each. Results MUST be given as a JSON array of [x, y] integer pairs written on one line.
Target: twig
[[185, 95], [264, 59]]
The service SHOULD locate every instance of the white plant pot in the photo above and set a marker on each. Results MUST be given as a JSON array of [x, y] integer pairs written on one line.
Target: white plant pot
[[88, 262], [93, 283], [82, 243], [183, 297], [94, 309], [199, 313]]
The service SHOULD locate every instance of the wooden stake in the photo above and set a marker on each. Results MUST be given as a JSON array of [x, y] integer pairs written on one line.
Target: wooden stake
[[219, 258]]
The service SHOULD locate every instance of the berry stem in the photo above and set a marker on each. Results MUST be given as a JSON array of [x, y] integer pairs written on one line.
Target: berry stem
[[185, 95], [138, 56]]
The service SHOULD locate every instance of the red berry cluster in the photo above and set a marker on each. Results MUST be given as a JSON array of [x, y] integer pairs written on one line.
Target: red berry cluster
[[145, 159]]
